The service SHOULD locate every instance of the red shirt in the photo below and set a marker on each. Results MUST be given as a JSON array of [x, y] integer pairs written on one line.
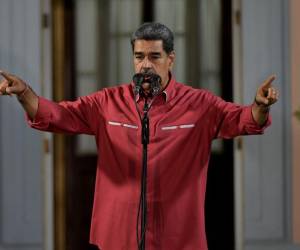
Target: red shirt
[[183, 123]]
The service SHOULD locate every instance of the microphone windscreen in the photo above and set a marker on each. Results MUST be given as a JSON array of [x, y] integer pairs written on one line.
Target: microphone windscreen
[[138, 79]]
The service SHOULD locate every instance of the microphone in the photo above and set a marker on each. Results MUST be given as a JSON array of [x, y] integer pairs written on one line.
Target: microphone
[[153, 79], [138, 79], [156, 81]]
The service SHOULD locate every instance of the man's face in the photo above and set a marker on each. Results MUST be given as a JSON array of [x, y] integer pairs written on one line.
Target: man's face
[[150, 57]]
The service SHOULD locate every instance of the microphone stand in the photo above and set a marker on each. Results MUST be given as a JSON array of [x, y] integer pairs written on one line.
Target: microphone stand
[[142, 209], [145, 142], [142, 218]]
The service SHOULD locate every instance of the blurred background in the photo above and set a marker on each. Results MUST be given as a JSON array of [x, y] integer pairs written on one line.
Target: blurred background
[[69, 48]]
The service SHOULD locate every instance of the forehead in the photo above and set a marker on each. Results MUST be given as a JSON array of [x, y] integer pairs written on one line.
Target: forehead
[[148, 46]]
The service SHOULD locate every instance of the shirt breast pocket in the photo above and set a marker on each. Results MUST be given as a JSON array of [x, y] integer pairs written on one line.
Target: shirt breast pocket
[[176, 131], [121, 131]]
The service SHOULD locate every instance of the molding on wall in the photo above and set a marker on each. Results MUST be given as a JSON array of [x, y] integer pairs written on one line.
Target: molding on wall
[[238, 142], [295, 91]]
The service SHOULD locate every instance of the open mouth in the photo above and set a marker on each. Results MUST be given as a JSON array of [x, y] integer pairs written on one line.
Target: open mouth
[[147, 78]]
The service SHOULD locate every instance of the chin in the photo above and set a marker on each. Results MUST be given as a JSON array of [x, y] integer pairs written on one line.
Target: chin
[[146, 86]]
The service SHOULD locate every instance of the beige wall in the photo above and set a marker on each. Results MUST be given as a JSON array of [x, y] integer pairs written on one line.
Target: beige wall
[[295, 94]]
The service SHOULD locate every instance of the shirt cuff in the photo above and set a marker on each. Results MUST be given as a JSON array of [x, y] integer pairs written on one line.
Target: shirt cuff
[[252, 127], [42, 117]]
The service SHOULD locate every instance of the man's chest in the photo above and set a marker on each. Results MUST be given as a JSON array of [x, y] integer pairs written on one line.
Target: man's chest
[[123, 122]]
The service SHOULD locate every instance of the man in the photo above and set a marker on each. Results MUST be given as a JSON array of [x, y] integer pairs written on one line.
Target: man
[[183, 123]]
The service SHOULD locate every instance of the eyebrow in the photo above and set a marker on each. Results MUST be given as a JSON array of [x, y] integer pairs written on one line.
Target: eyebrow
[[151, 53], [155, 53]]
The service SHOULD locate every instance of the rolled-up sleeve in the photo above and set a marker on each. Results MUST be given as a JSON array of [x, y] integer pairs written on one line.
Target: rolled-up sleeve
[[250, 125], [234, 120], [71, 117], [42, 117]]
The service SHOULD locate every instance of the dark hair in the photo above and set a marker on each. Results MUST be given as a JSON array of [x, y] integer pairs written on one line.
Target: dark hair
[[154, 31]]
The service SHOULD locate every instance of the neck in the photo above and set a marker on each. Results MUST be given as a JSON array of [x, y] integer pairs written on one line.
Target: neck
[[164, 86]]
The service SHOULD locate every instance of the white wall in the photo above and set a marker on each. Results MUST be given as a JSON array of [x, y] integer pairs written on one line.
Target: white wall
[[21, 188], [267, 158]]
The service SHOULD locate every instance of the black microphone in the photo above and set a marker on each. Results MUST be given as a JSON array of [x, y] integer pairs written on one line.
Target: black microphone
[[155, 84], [138, 79], [153, 79]]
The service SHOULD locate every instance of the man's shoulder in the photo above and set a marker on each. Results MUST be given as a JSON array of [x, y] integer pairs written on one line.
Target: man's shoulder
[[123, 88], [185, 87], [117, 87], [117, 92]]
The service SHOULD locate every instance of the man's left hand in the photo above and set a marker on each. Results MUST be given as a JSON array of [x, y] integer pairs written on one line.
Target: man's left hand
[[266, 94]]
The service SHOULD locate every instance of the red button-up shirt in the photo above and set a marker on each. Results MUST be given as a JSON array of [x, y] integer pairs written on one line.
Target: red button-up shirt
[[183, 123]]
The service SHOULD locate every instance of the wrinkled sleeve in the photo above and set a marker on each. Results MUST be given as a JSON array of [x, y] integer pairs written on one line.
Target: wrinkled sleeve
[[233, 120], [70, 117]]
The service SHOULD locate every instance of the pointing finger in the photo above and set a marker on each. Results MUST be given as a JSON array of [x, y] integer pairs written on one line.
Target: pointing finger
[[267, 83], [7, 76]]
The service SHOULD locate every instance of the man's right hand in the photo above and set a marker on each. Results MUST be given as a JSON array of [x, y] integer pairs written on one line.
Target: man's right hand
[[14, 85], [11, 84]]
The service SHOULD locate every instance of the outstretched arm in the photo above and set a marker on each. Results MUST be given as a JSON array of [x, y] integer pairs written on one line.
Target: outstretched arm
[[266, 96], [26, 96]]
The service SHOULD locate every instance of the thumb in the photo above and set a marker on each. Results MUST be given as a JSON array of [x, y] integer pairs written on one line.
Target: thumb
[[11, 90]]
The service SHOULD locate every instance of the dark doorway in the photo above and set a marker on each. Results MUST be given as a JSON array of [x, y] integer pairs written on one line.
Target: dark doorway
[[219, 205], [81, 159]]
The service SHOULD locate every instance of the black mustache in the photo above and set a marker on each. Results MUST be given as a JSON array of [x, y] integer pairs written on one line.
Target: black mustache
[[147, 71]]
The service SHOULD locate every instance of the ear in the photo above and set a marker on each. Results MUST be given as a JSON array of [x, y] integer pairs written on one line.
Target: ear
[[171, 58]]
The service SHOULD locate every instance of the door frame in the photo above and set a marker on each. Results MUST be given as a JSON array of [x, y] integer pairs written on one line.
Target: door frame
[[46, 91], [59, 141], [237, 145]]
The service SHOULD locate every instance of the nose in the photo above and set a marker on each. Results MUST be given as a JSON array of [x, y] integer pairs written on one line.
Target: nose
[[146, 64]]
